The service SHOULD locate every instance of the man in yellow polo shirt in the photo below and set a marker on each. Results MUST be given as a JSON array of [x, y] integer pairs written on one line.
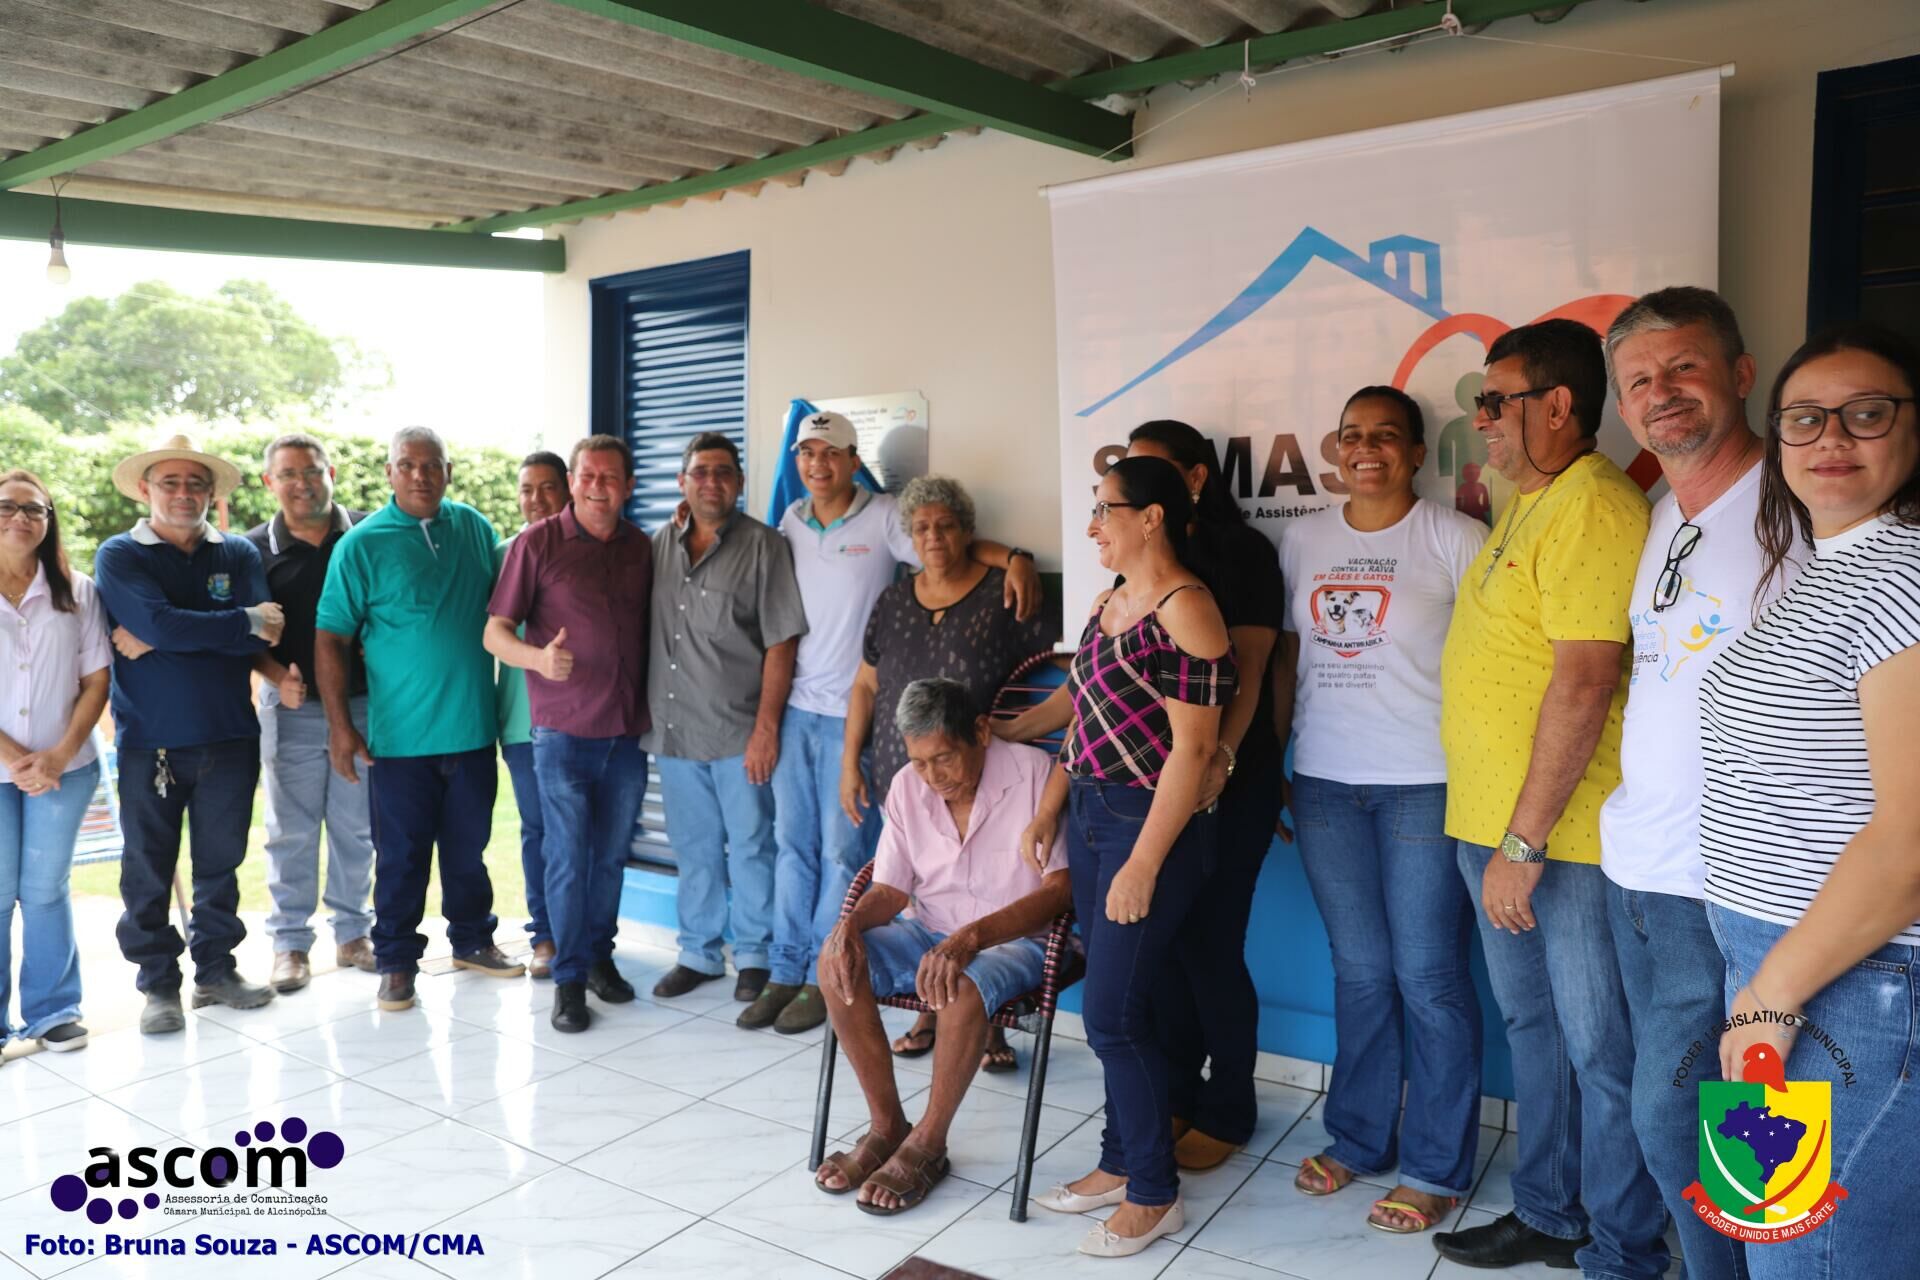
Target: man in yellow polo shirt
[[1533, 682]]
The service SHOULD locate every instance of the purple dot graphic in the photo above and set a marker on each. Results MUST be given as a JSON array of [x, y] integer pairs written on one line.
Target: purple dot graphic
[[264, 1131], [100, 1212], [220, 1166], [326, 1150], [294, 1129], [152, 1200], [69, 1192], [128, 1208], [242, 1138], [99, 1177]]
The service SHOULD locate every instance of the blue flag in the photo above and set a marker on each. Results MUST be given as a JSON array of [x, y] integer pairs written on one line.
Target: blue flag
[[787, 488]]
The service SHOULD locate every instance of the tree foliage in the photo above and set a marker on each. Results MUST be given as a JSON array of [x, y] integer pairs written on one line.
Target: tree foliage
[[242, 355], [79, 472]]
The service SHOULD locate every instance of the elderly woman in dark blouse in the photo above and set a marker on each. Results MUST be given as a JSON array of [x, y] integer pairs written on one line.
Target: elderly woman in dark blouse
[[948, 620]]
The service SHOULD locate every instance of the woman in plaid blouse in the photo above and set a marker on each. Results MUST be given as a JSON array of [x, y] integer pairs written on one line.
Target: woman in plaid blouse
[[1153, 670]]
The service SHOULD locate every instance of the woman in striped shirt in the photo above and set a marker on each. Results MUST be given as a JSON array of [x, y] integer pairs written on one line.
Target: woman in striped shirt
[[1148, 682], [1811, 819]]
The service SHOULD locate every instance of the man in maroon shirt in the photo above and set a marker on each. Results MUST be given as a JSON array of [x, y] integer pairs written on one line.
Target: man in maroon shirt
[[581, 581]]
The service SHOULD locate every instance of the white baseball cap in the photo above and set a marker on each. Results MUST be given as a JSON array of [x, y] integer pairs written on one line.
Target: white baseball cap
[[833, 428]]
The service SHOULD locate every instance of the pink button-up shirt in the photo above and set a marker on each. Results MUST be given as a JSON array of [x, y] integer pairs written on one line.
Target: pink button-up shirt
[[954, 882], [43, 655]]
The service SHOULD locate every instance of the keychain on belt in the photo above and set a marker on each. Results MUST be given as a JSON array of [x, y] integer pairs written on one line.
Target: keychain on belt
[[162, 775]]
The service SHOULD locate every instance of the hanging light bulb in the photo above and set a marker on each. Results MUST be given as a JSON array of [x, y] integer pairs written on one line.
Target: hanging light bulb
[[57, 270]]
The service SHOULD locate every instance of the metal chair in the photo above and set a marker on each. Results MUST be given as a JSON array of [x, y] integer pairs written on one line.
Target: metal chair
[[1032, 1013]]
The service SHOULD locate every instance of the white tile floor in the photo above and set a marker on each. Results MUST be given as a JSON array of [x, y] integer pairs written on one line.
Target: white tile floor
[[664, 1142]]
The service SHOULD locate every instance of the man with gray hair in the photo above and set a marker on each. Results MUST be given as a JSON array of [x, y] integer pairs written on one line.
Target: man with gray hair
[[295, 547], [409, 585], [955, 915], [1682, 375]]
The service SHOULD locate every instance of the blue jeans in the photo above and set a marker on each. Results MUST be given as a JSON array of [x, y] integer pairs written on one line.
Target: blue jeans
[[999, 974], [1124, 962], [1207, 1012], [1384, 875], [303, 791], [1872, 1012], [1673, 974], [533, 861], [721, 829], [211, 788], [590, 795], [1580, 1168], [37, 835], [418, 802], [820, 851]]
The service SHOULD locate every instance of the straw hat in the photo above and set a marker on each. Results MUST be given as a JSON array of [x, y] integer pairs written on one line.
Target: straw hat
[[127, 476]]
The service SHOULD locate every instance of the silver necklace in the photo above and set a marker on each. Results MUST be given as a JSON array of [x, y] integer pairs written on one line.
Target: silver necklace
[[1513, 527]]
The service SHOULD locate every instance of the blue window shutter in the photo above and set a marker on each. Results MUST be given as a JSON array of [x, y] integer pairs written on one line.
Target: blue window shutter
[[669, 362]]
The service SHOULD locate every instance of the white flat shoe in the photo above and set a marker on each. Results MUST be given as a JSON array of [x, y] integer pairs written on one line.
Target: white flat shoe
[[1061, 1200], [1102, 1243]]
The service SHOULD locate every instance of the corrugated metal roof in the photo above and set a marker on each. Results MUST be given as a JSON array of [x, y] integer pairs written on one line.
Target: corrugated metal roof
[[522, 105]]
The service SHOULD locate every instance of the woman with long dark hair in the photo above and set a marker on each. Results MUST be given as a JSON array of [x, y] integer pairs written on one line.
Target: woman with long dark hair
[[54, 662], [1810, 823], [1153, 669]]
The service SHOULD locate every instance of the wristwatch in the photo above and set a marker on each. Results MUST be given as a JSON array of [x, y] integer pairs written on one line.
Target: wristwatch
[[1018, 551], [1514, 849]]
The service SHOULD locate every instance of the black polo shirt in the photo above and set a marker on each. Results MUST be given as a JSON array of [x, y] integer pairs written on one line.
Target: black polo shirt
[[1242, 569], [296, 571]]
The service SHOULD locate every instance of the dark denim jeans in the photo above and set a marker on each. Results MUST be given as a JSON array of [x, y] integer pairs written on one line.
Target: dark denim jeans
[[1580, 1168], [1872, 1013], [418, 802], [1674, 976], [1206, 1011], [1124, 962], [590, 795], [533, 862], [1385, 876], [211, 786]]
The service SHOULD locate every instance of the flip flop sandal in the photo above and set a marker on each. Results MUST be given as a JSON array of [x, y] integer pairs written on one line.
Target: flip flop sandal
[[1420, 1216], [923, 1050], [1312, 1167], [999, 1061], [857, 1166], [923, 1176]]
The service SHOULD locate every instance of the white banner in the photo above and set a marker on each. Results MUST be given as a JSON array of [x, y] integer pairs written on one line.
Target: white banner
[[1251, 294]]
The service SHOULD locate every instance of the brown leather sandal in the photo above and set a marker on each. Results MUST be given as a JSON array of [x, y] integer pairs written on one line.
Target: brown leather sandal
[[856, 1166], [925, 1171]]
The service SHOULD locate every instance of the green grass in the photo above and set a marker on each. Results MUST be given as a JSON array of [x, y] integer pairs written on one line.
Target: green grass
[[502, 859]]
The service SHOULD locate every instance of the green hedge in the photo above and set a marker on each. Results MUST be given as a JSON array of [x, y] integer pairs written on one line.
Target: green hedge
[[79, 471]]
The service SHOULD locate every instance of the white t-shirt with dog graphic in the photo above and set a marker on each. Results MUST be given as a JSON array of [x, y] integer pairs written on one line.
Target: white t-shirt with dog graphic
[[1371, 612]]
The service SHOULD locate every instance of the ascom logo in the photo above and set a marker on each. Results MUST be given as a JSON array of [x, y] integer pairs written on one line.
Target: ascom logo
[[251, 1161]]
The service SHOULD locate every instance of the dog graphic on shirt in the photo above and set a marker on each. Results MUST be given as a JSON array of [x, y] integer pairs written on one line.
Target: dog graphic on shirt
[[1349, 618]]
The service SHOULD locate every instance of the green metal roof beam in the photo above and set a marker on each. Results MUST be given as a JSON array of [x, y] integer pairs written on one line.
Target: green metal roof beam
[[834, 48], [1307, 42], [1139, 76], [131, 226], [341, 44]]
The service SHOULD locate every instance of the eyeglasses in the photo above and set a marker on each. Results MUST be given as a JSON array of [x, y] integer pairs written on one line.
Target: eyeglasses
[[198, 486], [1491, 402], [719, 475], [1867, 418], [1102, 509], [308, 475], [31, 510], [1667, 589]]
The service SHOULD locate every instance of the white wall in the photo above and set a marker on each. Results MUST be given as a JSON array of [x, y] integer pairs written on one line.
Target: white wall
[[933, 272]]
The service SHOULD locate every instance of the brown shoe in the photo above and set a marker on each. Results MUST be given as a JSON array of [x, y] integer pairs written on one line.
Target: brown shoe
[[807, 1010], [1197, 1152], [396, 992], [542, 963], [767, 1007], [490, 961], [357, 954], [291, 971]]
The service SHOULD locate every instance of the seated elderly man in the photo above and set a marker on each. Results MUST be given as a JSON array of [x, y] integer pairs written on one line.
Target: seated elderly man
[[951, 854]]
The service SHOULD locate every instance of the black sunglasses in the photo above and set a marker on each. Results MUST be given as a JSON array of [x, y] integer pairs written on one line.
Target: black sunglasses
[[1667, 589], [1491, 402]]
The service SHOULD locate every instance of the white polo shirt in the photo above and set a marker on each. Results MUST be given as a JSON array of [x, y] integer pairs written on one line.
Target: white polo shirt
[[43, 655], [842, 569]]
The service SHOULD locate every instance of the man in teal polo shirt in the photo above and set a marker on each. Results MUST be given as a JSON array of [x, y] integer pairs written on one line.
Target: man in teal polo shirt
[[410, 585]]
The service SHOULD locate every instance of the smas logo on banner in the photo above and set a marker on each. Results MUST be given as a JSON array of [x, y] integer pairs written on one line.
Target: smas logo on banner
[[1251, 294]]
